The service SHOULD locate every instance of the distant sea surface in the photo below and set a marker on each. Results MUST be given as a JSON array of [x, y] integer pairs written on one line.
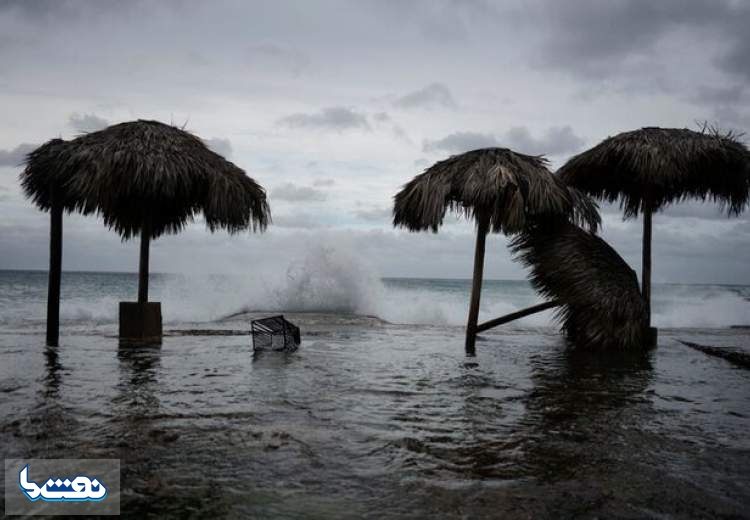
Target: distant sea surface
[[379, 413], [90, 298]]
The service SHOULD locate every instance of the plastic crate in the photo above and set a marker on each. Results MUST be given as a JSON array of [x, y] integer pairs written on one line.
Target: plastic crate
[[275, 333]]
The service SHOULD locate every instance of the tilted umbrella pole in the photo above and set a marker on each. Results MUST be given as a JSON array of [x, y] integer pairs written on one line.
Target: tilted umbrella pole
[[517, 315], [476, 285]]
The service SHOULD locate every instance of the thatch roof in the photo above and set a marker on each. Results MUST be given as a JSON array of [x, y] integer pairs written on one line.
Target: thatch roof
[[41, 183], [498, 184], [601, 304], [672, 164], [145, 169]]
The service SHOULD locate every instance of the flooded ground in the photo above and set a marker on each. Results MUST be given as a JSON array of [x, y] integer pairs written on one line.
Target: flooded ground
[[375, 420]]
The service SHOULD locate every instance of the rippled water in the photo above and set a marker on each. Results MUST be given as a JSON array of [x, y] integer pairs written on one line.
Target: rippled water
[[387, 421]]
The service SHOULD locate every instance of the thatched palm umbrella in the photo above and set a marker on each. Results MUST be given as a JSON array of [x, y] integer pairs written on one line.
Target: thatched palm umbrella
[[650, 168], [600, 304], [501, 190], [145, 178], [54, 197]]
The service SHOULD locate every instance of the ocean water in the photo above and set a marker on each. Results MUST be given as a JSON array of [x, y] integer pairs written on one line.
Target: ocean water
[[379, 413], [90, 299]]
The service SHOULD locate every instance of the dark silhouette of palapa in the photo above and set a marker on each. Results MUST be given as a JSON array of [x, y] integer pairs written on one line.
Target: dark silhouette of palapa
[[650, 168], [503, 191], [144, 178], [600, 304]]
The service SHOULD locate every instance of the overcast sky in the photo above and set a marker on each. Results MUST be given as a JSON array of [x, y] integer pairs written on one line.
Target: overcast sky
[[332, 106]]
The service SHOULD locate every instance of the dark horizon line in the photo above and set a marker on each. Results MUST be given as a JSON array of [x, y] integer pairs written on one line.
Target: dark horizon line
[[440, 279]]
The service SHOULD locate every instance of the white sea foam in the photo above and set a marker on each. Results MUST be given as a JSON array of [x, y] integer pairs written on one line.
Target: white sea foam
[[329, 279], [699, 307]]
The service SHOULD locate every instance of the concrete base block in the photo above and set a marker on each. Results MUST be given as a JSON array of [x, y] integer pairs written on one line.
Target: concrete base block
[[140, 323]]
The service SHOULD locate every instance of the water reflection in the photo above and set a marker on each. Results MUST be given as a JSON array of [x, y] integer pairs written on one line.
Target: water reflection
[[138, 385], [137, 398], [53, 374], [481, 451], [456, 422], [391, 423], [581, 408], [134, 407], [49, 424]]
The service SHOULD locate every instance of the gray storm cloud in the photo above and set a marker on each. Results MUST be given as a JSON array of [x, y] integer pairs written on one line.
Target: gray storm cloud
[[333, 117], [293, 193], [15, 156], [433, 95], [221, 146], [554, 141], [87, 122], [459, 142]]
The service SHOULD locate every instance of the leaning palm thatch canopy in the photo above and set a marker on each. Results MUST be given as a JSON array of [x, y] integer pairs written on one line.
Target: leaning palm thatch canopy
[[145, 168], [503, 191], [600, 304], [665, 165], [142, 177], [497, 185], [650, 168]]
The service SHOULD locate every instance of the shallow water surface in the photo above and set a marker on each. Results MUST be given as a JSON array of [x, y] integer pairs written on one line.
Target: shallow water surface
[[387, 421]]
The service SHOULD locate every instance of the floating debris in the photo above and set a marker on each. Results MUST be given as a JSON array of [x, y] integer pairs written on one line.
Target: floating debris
[[275, 333]]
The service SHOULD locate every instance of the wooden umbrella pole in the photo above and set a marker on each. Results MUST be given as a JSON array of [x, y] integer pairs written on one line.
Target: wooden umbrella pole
[[476, 286], [143, 264], [487, 325], [646, 264], [55, 273]]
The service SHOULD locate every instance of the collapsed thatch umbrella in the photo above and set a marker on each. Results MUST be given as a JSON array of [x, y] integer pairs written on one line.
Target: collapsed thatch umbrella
[[600, 304], [501, 190], [650, 168], [143, 177]]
